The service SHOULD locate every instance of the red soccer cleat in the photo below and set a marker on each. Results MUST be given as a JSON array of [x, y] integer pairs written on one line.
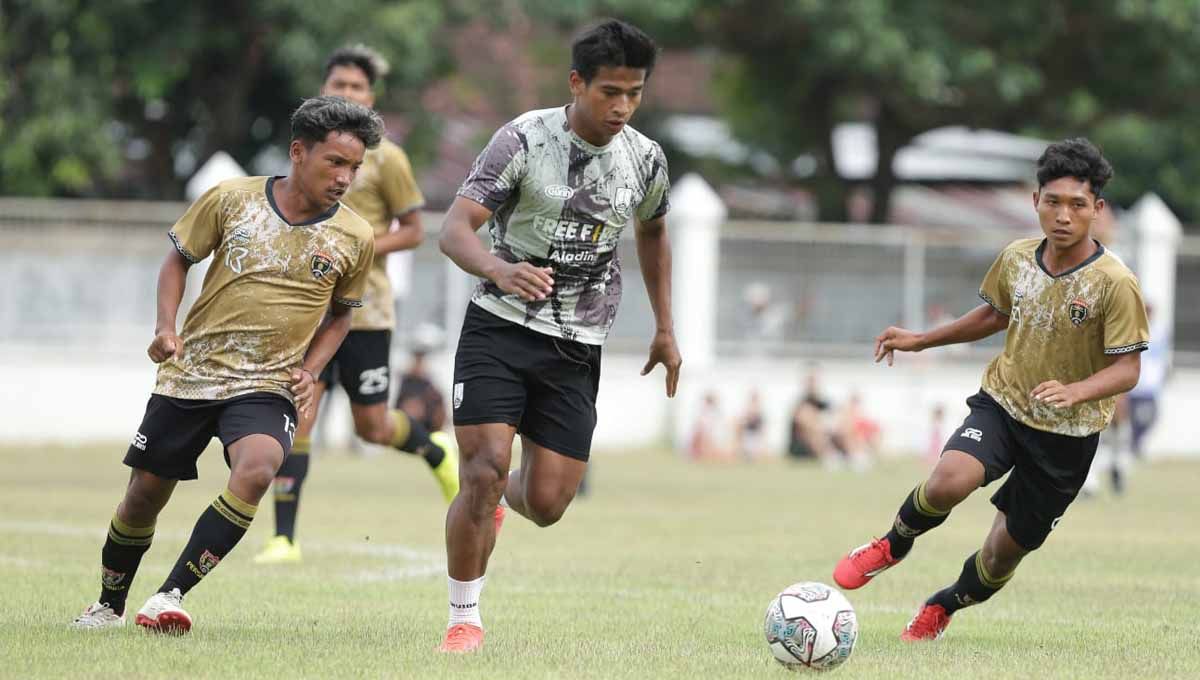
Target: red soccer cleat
[[929, 624], [462, 638], [864, 563], [498, 518]]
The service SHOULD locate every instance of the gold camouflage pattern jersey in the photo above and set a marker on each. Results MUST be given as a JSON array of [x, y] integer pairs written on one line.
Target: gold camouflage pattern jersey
[[1064, 328], [267, 289], [384, 188]]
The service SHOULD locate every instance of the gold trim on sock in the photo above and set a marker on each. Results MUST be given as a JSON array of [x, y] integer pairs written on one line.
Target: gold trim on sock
[[922, 503], [987, 579], [247, 509], [301, 446], [131, 531], [402, 430]]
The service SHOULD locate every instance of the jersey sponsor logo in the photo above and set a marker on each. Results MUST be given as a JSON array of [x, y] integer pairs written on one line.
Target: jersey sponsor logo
[[139, 441], [321, 264], [560, 191], [569, 230], [972, 433], [373, 380], [1054, 524], [1015, 317], [1079, 311], [458, 394], [622, 202], [568, 257], [234, 257]]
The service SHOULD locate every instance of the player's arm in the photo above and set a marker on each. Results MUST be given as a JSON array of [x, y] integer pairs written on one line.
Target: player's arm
[[460, 242], [408, 235], [1121, 375], [172, 277], [324, 345], [654, 256], [977, 324]]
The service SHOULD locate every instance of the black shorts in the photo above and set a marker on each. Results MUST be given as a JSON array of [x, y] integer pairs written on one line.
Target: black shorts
[[174, 432], [544, 386], [1048, 469], [361, 366]]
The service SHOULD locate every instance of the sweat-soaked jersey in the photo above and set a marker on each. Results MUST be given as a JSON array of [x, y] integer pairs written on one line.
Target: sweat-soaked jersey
[[559, 202], [266, 290], [1063, 328]]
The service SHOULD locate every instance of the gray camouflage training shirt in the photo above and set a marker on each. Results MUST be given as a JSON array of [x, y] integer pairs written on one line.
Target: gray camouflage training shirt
[[560, 202]]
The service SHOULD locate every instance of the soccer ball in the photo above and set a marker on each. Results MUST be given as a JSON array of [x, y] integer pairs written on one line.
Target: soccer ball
[[810, 625]]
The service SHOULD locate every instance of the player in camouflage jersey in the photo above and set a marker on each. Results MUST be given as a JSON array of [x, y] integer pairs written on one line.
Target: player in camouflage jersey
[[1075, 326], [289, 264], [383, 189], [556, 188]]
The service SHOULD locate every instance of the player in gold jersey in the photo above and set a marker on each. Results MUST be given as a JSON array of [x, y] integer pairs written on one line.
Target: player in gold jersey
[[1076, 325], [289, 264], [384, 189]]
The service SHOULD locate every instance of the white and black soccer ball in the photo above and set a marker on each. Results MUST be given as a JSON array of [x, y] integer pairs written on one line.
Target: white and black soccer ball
[[810, 625]]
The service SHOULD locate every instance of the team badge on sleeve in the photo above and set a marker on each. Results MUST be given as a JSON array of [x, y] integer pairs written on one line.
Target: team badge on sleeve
[[321, 264], [1079, 311]]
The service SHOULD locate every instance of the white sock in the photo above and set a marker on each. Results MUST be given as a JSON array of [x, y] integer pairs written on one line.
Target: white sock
[[464, 601]]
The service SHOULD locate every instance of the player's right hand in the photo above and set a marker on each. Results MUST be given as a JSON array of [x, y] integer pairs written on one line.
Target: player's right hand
[[895, 338], [526, 281], [165, 346]]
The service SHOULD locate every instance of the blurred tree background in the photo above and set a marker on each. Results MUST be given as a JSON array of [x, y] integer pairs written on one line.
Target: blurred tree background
[[126, 97]]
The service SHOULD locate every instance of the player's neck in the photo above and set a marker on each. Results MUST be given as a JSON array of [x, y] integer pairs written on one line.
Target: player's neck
[[592, 137], [293, 205], [1057, 261]]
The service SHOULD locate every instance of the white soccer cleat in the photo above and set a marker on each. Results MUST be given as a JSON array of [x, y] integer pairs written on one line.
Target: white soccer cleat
[[163, 613], [98, 616]]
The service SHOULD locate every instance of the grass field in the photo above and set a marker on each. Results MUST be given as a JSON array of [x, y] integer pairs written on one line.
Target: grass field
[[663, 572]]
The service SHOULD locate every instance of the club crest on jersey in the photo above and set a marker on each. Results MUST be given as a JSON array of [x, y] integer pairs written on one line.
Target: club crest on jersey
[[321, 264], [622, 201], [1079, 311]]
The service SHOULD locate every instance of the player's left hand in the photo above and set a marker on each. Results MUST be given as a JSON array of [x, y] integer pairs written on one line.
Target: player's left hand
[[303, 388], [1056, 394], [663, 350]]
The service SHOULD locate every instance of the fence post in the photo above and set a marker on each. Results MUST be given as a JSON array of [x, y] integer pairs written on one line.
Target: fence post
[[697, 213], [1158, 237], [914, 280]]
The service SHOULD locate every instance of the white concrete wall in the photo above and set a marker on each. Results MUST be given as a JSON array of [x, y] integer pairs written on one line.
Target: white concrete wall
[[50, 395]]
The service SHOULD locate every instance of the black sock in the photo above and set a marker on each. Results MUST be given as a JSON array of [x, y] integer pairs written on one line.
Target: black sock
[[288, 483], [974, 585], [412, 437], [916, 516], [119, 560], [219, 528]]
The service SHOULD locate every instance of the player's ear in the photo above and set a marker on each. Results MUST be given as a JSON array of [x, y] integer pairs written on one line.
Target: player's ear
[[1100, 205], [577, 83], [1036, 195], [296, 151]]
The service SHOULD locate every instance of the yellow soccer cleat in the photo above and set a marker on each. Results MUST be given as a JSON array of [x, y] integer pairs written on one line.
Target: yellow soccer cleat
[[279, 550], [446, 472]]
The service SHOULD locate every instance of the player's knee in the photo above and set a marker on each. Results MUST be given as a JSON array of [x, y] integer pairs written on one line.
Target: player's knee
[[257, 476], [375, 433], [546, 508], [948, 487], [482, 473], [144, 498]]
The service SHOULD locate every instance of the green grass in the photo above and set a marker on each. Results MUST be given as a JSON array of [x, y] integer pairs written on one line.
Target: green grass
[[664, 571]]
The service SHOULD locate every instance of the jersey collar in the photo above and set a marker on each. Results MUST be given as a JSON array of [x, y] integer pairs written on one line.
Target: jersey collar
[[328, 214], [1037, 255]]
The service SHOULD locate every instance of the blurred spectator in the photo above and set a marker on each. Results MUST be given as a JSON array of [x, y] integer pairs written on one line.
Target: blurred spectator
[[1143, 399], [417, 395], [705, 442], [937, 434], [765, 325], [751, 442], [810, 432], [857, 434], [1112, 453]]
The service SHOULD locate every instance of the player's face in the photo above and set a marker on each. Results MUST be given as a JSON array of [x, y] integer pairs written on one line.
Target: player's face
[[350, 83], [326, 170], [1066, 208], [607, 103]]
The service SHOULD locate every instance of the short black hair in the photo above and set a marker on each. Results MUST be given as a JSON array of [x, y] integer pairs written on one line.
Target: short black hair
[[1078, 158], [362, 57], [317, 117], [612, 43]]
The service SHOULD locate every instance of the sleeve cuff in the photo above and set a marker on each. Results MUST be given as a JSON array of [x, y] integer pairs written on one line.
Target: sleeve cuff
[[347, 302], [480, 198], [1126, 349], [986, 298], [179, 246]]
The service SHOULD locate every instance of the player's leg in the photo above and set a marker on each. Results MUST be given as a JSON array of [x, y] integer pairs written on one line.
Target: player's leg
[[257, 432], [977, 453], [164, 450], [486, 451], [545, 484], [289, 482], [364, 371], [983, 574]]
